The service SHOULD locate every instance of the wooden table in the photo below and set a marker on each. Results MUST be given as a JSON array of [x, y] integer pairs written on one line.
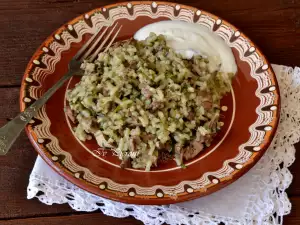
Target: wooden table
[[272, 24]]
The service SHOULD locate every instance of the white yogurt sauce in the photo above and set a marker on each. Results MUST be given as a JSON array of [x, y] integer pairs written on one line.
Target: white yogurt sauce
[[189, 39]]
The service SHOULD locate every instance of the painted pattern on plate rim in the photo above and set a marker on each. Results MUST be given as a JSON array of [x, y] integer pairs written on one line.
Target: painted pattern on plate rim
[[44, 63]]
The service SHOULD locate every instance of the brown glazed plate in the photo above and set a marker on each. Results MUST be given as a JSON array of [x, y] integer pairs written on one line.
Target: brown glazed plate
[[250, 112]]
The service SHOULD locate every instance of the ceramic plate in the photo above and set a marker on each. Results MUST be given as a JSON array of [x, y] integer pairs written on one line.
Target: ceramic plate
[[250, 112]]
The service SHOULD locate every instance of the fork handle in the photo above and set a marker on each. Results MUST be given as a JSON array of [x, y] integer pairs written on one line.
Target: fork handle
[[10, 131]]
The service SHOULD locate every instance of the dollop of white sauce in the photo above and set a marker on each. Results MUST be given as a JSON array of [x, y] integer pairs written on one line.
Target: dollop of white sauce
[[190, 39]]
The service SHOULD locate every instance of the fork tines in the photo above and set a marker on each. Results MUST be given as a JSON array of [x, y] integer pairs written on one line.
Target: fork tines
[[96, 43]]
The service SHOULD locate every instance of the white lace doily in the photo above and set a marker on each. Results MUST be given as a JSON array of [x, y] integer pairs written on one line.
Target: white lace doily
[[258, 197]]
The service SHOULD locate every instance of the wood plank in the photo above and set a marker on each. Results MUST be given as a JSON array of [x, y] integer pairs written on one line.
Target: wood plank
[[83, 219], [16, 167], [272, 24], [293, 218], [294, 189]]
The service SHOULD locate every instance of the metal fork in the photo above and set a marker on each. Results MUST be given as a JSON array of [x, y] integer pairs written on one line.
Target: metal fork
[[10, 131]]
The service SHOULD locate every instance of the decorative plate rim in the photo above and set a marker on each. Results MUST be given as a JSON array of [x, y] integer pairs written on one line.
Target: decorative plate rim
[[156, 195]]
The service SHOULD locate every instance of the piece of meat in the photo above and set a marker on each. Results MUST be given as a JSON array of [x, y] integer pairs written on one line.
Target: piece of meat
[[70, 115], [198, 146], [205, 95], [133, 142], [121, 132], [164, 156], [203, 98], [208, 139], [202, 93], [105, 92], [156, 105], [213, 121], [146, 92], [166, 146], [94, 126], [125, 163], [191, 151], [133, 64], [191, 116], [207, 104], [147, 137]]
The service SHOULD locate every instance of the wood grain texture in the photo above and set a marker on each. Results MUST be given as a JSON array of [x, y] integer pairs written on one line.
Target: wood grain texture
[[274, 25], [294, 217], [294, 189], [84, 219], [15, 169]]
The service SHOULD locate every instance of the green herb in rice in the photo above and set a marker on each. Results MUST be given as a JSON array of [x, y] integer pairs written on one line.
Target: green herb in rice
[[141, 97]]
